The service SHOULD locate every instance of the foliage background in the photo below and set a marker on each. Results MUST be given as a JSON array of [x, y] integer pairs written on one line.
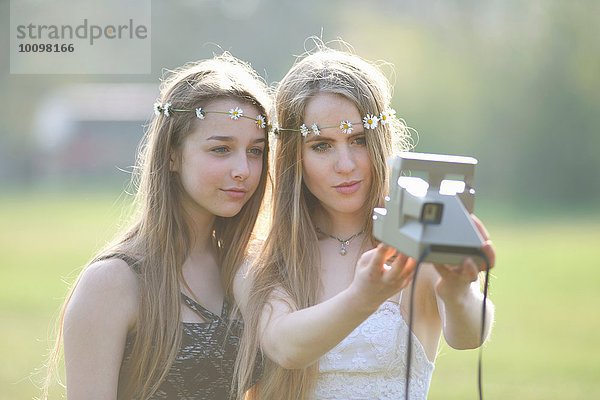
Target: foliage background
[[515, 84]]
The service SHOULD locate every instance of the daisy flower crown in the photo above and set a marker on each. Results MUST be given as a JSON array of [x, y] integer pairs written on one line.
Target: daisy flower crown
[[236, 113], [369, 121]]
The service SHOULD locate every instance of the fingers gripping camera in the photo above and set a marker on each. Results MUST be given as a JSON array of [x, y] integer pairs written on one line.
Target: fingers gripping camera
[[432, 213]]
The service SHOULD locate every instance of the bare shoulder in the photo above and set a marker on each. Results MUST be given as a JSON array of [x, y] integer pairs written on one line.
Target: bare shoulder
[[100, 314], [243, 288], [108, 286], [110, 276]]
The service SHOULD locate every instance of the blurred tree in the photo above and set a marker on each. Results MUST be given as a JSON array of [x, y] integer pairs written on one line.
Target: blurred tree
[[514, 84]]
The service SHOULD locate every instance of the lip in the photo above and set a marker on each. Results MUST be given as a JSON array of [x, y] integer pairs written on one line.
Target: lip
[[235, 193], [348, 187]]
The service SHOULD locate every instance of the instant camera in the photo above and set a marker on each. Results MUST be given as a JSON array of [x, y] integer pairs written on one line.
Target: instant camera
[[427, 211]]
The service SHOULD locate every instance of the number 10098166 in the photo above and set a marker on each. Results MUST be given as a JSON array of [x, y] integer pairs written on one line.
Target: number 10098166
[[46, 48]]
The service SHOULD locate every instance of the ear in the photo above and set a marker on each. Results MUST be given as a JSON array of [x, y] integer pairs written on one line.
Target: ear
[[174, 162]]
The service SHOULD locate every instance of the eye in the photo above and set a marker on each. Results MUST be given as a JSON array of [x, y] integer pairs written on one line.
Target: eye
[[360, 140], [321, 147], [220, 150], [256, 151]]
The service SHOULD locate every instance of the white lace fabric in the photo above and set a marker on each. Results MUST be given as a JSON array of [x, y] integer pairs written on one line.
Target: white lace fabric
[[370, 363]]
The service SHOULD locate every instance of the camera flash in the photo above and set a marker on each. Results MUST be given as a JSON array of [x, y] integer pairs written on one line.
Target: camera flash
[[432, 213]]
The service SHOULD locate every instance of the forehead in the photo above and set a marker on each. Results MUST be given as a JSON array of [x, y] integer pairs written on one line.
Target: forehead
[[223, 125], [329, 109], [226, 104]]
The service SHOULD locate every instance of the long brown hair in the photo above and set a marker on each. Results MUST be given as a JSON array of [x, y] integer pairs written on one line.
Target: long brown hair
[[290, 256], [159, 238]]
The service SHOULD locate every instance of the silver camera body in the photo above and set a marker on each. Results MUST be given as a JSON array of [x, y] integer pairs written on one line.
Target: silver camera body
[[432, 211]]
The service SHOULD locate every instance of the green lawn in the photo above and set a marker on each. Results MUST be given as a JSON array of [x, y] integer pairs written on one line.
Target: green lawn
[[545, 341], [545, 287], [45, 239]]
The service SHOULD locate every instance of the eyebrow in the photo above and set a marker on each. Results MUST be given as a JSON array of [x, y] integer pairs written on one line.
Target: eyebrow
[[321, 138], [232, 139]]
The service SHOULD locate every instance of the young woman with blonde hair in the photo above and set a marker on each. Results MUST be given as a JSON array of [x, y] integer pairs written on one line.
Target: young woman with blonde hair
[[150, 317], [320, 303]]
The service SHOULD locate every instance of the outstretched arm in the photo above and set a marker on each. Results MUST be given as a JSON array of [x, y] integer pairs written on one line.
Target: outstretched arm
[[297, 338], [460, 301]]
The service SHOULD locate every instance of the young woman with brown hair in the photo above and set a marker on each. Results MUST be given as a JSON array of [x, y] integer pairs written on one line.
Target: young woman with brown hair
[[150, 317]]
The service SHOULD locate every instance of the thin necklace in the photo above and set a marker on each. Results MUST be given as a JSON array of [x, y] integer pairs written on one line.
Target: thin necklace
[[344, 243]]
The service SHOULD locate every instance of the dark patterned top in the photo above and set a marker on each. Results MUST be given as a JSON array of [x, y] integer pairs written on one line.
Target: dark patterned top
[[203, 367]]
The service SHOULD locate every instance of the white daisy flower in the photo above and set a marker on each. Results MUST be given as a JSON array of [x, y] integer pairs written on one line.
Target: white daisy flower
[[260, 121], [304, 130], [370, 121], [315, 129], [236, 113], [200, 113], [166, 109], [386, 115], [346, 127], [157, 108]]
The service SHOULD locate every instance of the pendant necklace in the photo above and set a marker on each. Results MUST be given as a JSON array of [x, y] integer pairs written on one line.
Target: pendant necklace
[[344, 243]]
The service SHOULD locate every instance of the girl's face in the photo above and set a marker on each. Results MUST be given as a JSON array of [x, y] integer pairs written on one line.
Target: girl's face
[[220, 161], [336, 166]]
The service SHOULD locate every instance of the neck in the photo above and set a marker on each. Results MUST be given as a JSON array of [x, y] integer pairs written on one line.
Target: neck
[[339, 224], [200, 223]]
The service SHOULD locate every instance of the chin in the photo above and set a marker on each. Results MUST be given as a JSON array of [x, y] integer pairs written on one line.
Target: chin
[[227, 212], [349, 208]]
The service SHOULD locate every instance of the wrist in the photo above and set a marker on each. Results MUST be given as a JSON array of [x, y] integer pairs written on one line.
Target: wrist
[[456, 293], [358, 302]]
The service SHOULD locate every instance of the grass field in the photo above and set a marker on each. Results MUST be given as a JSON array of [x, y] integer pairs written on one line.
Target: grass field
[[544, 345]]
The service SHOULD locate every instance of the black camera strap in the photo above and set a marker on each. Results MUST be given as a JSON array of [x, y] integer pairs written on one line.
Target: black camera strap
[[422, 257]]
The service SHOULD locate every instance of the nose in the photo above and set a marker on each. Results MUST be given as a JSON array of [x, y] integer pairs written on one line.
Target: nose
[[241, 168], [345, 162]]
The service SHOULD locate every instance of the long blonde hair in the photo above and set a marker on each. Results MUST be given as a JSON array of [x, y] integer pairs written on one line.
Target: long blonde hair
[[159, 238], [290, 256]]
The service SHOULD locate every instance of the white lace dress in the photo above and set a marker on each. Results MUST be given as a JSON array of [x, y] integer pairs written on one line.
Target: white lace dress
[[370, 363]]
